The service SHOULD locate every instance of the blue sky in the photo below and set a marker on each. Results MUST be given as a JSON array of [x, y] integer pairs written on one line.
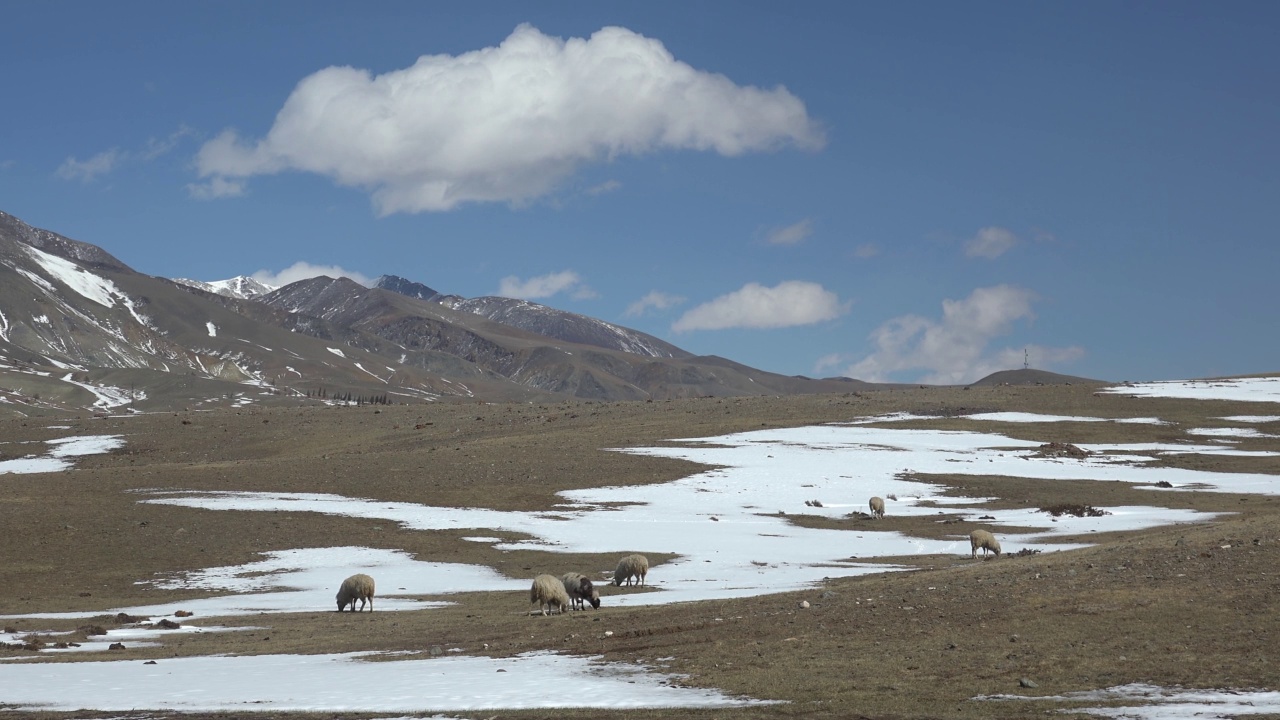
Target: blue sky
[[891, 191]]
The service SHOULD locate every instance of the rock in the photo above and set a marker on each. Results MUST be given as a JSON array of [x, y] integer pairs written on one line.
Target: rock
[[804, 604], [1027, 683]]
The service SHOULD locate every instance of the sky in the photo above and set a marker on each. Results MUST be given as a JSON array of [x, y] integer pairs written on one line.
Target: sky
[[923, 192]]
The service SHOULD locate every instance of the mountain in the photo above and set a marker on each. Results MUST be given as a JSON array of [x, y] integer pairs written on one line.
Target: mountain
[[81, 330], [242, 286], [405, 287], [1027, 376]]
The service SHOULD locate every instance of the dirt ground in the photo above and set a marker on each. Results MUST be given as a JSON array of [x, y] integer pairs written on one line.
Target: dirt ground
[[1191, 605]]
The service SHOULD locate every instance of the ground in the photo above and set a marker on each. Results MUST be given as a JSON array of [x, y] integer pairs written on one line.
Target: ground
[[1189, 605]]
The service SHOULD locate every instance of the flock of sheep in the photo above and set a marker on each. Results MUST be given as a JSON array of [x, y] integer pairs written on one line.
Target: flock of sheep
[[977, 539], [573, 590]]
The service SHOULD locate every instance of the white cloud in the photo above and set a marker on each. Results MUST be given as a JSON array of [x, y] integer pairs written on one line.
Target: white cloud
[[866, 250], [607, 186], [507, 123], [954, 349], [88, 170], [156, 148], [655, 300], [990, 242], [302, 270], [788, 304], [218, 187], [791, 234], [545, 286]]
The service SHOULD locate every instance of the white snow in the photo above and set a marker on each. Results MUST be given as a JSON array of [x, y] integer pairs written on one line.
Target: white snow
[[344, 683], [213, 329], [336, 351], [1261, 389], [1251, 418], [1021, 417], [1229, 432], [90, 286], [1165, 703], [63, 448]]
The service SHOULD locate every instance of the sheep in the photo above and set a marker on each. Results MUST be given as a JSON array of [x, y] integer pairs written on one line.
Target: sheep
[[357, 587], [580, 591], [631, 566], [986, 541], [549, 592], [877, 507]]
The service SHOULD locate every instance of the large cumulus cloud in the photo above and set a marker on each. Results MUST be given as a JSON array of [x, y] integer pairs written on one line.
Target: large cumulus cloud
[[506, 123]]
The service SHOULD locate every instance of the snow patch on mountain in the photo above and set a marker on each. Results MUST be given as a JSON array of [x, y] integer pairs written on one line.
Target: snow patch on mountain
[[241, 286]]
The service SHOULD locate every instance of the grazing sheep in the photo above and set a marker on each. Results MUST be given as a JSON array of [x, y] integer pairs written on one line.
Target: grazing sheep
[[581, 591], [549, 592], [631, 566], [877, 507], [357, 587], [986, 541]]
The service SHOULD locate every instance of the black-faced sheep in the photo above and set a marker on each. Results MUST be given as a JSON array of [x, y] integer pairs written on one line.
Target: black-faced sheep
[[877, 507], [548, 592], [985, 540], [357, 587], [581, 590], [631, 566]]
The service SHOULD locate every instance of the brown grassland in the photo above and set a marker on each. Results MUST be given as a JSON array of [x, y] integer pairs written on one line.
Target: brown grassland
[[1191, 605]]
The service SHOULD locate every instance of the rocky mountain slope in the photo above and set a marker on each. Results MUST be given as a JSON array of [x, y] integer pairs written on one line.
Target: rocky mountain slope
[[80, 329]]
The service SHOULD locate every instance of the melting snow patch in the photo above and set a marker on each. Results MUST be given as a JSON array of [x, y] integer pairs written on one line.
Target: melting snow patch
[[63, 448], [1251, 418], [1165, 703], [213, 329], [1020, 417], [1264, 389], [336, 351], [1229, 432], [347, 683]]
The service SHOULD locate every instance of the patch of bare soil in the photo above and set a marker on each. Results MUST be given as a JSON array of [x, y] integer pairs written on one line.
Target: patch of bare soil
[[1193, 605]]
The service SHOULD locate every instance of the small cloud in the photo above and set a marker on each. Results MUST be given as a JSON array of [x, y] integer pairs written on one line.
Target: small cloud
[[866, 250], [654, 300], [827, 362], [302, 270], [790, 303], [791, 234], [1043, 237], [155, 148], [954, 349], [218, 187], [544, 286], [88, 170], [607, 186], [6, 164], [990, 243]]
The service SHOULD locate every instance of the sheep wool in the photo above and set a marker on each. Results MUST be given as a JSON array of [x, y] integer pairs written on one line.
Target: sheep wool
[[877, 507], [581, 591], [631, 566], [357, 587], [985, 540], [548, 592]]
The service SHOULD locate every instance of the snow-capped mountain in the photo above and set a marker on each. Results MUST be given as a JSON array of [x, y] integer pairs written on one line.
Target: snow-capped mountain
[[241, 286], [79, 329]]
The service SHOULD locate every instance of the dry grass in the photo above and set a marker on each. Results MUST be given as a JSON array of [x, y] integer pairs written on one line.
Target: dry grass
[[1166, 606]]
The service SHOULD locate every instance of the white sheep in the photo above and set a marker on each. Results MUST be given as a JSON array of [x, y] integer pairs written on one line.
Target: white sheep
[[877, 507], [631, 566], [581, 590], [549, 592], [357, 587], [985, 540]]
